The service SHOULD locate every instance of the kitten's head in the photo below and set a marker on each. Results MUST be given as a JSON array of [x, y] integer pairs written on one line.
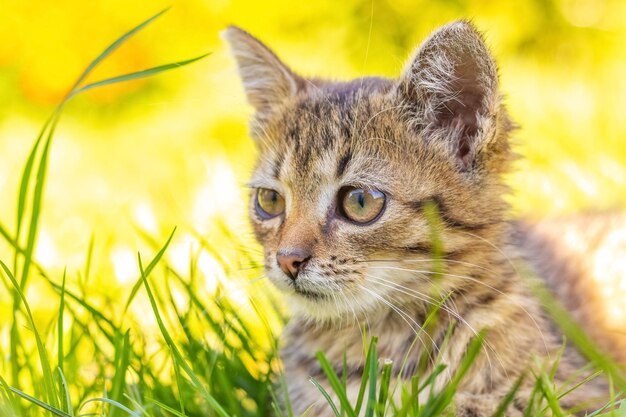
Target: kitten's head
[[347, 170]]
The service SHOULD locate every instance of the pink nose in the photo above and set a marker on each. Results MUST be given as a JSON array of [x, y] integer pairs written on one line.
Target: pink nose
[[292, 261]]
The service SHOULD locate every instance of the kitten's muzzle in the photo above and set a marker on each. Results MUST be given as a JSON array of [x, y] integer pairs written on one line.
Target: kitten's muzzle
[[292, 261]]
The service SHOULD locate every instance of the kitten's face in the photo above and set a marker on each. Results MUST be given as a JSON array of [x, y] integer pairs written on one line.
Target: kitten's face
[[345, 171], [330, 152]]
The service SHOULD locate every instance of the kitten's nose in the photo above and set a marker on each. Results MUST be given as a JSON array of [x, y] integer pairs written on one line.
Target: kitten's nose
[[292, 261]]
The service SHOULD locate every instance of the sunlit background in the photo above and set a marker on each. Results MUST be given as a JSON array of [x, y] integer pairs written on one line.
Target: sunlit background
[[137, 159]]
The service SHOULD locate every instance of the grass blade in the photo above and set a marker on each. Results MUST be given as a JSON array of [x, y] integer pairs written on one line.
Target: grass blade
[[548, 390], [116, 44], [60, 354], [139, 74], [435, 406], [170, 342], [88, 261], [24, 182], [372, 362], [385, 380], [335, 384], [8, 405], [169, 409], [179, 385], [113, 403], [36, 206], [48, 380], [66, 392], [509, 397], [121, 364], [364, 379], [326, 396], [39, 403], [149, 268]]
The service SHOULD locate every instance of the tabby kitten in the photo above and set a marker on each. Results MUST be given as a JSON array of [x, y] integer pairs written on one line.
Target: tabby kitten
[[345, 175]]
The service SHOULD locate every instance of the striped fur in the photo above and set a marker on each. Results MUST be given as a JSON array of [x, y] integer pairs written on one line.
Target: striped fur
[[435, 137]]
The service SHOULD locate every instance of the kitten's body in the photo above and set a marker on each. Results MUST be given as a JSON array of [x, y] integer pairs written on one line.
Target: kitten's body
[[582, 259], [436, 136]]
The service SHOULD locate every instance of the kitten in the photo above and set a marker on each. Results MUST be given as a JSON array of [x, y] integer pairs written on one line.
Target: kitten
[[346, 175]]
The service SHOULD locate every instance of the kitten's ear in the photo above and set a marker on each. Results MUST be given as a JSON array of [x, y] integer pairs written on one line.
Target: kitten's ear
[[266, 79], [452, 85]]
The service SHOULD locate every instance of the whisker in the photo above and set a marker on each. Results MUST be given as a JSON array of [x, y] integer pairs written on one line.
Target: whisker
[[486, 343], [416, 294], [500, 251], [446, 309], [508, 296], [356, 319], [427, 261], [405, 316]]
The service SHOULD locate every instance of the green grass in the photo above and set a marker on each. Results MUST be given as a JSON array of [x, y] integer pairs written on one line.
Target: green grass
[[212, 357]]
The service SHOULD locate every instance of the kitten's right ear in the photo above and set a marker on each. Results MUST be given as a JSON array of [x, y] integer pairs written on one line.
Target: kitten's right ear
[[452, 86], [268, 82]]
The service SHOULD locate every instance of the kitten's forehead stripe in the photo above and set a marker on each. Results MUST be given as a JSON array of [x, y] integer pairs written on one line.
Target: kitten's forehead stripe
[[331, 120], [343, 164]]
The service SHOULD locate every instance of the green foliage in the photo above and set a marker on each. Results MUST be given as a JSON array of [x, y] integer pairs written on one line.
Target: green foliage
[[212, 357]]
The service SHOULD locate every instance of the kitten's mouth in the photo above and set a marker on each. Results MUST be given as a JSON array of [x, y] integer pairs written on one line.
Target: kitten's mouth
[[312, 295], [306, 286]]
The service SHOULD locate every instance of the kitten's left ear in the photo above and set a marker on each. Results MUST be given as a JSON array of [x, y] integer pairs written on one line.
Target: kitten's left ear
[[268, 82], [452, 86]]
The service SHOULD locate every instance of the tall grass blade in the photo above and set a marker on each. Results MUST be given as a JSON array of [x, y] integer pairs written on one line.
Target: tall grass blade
[[285, 390], [621, 409], [60, 354], [139, 74], [88, 260], [326, 395], [170, 342], [36, 206], [580, 384], [169, 409], [383, 395], [116, 44], [444, 398], [364, 379], [179, 385], [371, 362], [8, 405], [335, 384], [24, 183], [48, 379], [509, 397], [39, 403], [113, 403], [549, 393], [120, 364], [149, 268], [30, 199], [66, 392]]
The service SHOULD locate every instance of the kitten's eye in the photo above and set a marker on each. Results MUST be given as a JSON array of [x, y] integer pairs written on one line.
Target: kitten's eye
[[269, 203], [360, 205]]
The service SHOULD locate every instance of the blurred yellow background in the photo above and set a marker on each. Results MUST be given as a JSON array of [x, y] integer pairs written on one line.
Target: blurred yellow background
[[173, 150]]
